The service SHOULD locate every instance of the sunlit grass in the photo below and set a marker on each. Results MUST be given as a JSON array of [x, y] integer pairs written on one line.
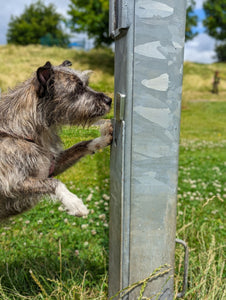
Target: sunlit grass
[[47, 254], [197, 82]]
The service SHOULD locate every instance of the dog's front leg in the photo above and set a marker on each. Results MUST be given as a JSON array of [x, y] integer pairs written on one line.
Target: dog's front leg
[[70, 156], [73, 205]]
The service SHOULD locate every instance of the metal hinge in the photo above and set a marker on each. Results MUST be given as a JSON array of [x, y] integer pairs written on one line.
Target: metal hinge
[[118, 17], [185, 277]]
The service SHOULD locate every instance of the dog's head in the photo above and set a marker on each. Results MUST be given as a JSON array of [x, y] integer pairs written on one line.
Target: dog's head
[[66, 98]]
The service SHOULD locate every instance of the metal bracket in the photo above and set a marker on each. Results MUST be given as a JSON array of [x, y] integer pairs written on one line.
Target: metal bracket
[[120, 106], [119, 124], [118, 17], [185, 277]]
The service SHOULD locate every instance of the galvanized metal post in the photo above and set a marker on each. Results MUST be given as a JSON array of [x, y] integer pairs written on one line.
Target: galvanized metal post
[[149, 42]]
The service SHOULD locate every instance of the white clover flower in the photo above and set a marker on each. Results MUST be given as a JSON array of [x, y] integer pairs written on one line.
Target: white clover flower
[[40, 222], [106, 197], [86, 244], [102, 216], [27, 222], [93, 231], [61, 208], [84, 226], [65, 220], [89, 198], [77, 252]]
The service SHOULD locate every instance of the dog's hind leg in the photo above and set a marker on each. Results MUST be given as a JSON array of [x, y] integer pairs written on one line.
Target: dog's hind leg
[[73, 205], [70, 156]]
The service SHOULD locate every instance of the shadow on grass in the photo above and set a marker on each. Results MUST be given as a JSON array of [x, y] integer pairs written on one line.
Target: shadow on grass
[[98, 59], [17, 281]]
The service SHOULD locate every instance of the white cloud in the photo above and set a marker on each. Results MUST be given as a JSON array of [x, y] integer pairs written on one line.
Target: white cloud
[[199, 4], [200, 49]]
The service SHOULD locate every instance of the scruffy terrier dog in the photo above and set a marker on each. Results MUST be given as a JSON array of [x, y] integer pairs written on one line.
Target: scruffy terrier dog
[[30, 148]]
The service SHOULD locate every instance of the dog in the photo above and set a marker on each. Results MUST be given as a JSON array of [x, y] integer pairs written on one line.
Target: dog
[[31, 151]]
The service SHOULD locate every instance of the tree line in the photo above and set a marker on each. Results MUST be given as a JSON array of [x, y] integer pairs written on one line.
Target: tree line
[[40, 23]]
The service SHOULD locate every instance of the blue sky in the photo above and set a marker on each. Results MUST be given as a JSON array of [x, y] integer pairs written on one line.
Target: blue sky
[[201, 16], [200, 49]]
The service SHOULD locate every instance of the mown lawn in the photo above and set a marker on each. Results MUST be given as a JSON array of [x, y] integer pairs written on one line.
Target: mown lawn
[[47, 254]]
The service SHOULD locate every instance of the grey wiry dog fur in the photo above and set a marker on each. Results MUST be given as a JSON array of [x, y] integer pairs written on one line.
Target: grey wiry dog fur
[[30, 148]]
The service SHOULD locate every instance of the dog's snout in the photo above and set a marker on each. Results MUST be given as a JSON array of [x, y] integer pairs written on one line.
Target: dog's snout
[[107, 100]]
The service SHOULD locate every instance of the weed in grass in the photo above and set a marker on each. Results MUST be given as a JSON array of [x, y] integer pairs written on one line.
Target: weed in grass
[[200, 221]]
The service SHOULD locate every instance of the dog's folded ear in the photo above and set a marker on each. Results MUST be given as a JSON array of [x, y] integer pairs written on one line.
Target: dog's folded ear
[[44, 73]]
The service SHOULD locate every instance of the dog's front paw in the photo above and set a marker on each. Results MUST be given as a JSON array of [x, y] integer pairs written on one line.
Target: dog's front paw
[[106, 131], [104, 140]]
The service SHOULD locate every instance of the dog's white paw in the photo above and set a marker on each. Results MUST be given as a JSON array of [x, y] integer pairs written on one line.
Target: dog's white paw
[[106, 131], [72, 204], [77, 208], [104, 140]]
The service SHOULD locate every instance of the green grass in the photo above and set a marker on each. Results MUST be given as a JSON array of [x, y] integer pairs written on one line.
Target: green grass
[[204, 121], [197, 82], [47, 254]]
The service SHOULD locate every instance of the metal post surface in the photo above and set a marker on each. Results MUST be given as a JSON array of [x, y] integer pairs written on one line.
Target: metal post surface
[[144, 157]]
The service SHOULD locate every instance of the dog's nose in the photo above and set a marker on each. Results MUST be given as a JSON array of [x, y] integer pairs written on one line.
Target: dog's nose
[[107, 100]]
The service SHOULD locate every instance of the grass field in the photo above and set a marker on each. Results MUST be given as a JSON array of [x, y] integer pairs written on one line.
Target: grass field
[[47, 254]]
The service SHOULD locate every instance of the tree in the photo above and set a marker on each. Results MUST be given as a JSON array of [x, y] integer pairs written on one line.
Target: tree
[[37, 24], [191, 22], [93, 17], [215, 24]]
